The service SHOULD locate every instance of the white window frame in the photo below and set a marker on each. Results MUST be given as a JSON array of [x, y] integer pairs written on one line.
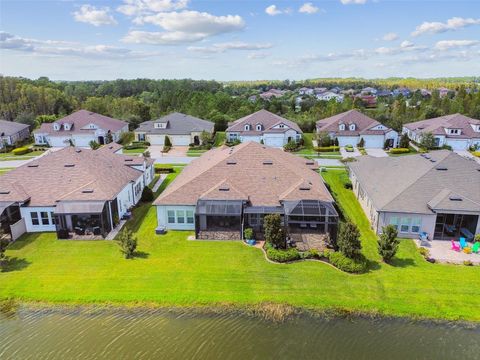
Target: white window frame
[[171, 215], [405, 221], [189, 216], [394, 221], [259, 127], [35, 219], [180, 215], [341, 127], [42, 218], [416, 223], [352, 127], [247, 127]]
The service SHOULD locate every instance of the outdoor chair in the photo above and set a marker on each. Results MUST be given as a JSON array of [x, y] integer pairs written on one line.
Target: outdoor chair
[[455, 246], [476, 247], [463, 243]]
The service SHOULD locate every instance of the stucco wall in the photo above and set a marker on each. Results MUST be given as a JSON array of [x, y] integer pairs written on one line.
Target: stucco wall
[[162, 217], [427, 223], [26, 214]]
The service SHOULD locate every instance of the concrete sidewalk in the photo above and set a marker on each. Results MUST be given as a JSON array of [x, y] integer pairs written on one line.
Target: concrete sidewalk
[[346, 154]]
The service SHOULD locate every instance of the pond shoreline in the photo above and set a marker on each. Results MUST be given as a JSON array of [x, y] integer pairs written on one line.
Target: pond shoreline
[[274, 312]]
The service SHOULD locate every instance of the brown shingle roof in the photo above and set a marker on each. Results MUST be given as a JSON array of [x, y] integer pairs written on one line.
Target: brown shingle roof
[[80, 119], [363, 124], [263, 175], [267, 119], [438, 125], [65, 174]]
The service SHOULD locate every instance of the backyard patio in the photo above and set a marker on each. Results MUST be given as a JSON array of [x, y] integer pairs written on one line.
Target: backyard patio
[[442, 252]]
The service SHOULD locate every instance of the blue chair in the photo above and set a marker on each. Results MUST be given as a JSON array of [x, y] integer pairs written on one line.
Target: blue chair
[[463, 243]]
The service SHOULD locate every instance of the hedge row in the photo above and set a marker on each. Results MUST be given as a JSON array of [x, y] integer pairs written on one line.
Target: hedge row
[[163, 169], [399, 151], [326, 148], [21, 151], [135, 146]]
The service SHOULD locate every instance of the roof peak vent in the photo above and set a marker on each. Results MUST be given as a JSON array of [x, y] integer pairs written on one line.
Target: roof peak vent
[[441, 168], [87, 191], [69, 165], [267, 162]]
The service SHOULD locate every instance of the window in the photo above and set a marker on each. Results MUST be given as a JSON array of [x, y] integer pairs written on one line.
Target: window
[[259, 127], [341, 127], [171, 216], [352, 127], [180, 216], [56, 127], [416, 224], [54, 222], [141, 137], [394, 222], [34, 216], [405, 224], [66, 126], [44, 216], [247, 127], [281, 126], [190, 217]]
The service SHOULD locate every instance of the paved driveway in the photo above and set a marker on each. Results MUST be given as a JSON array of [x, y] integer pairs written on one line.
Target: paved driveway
[[346, 154], [174, 160], [376, 152], [329, 162], [176, 151], [468, 155]]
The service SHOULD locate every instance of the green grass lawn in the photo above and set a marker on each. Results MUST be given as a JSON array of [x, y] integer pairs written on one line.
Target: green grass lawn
[[10, 156], [412, 152], [133, 151], [170, 270], [5, 170], [195, 153], [219, 138]]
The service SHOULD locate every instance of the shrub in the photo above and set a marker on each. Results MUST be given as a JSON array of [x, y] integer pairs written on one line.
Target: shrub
[[128, 243], [233, 143], [346, 264], [167, 142], [476, 153], [399, 151], [126, 137], [424, 252], [166, 149], [388, 243], [140, 143], [163, 169], [290, 146], [348, 240], [94, 145], [20, 151], [281, 255], [248, 233], [273, 230], [467, 263], [326, 148], [146, 154], [361, 143], [134, 146], [147, 194], [428, 140], [323, 139], [477, 237], [404, 141], [348, 159]]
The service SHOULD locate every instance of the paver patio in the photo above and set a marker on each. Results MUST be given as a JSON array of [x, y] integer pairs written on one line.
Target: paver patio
[[441, 251]]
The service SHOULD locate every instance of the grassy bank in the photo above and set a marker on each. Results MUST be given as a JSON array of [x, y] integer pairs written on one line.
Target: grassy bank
[[172, 271]]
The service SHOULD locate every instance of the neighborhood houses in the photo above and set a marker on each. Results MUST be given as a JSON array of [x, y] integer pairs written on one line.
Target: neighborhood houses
[[77, 193], [80, 129], [182, 130], [350, 127], [12, 132], [457, 131], [437, 194], [228, 190], [264, 127]]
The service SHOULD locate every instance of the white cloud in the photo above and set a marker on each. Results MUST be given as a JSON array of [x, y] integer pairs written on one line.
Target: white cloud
[[272, 10], [184, 26], [222, 47], [64, 48], [452, 24], [258, 55], [308, 8], [141, 7], [391, 36], [454, 44], [348, 2], [96, 16], [406, 44]]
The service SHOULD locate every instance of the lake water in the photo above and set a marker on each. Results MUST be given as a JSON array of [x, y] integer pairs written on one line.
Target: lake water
[[161, 334]]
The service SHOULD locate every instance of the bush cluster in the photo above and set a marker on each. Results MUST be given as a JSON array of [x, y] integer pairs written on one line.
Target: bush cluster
[[134, 146], [163, 169], [280, 255], [326, 148], [340, 261], [399, 151], [291, 146], [21, 151]]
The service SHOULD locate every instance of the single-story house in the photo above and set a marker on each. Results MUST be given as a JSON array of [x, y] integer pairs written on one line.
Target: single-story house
[[457, 130], [182, 130], [437, 193], [78, 193], [229, 189], [265, 126], [12, 132], [352, 126], [79, 129], [329, 95]]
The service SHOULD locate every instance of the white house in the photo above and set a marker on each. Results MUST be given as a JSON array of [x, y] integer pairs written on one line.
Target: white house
[[457, 131], [264, 126], [329, 95], [79, 193], [79, 129], [12, 132], [352, 126]]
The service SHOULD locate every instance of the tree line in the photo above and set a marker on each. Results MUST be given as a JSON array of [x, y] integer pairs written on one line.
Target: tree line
[[42, 100]]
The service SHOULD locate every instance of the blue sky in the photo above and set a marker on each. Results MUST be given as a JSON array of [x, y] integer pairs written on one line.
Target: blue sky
[[238, 40]]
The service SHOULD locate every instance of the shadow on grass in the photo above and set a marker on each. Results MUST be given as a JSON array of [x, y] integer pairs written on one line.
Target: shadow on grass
[[372, 265], [14, 264], [24, 240], [141, 255], [404, 262]]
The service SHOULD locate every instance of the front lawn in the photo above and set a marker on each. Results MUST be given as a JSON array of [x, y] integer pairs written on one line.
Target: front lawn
[[170, 270], [133, 151], [11, 156]]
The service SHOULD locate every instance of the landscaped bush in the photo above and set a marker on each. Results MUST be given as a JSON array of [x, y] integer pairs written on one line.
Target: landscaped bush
[[134, 146], [326, 149], [476, 153], [399, 151], [280, 255], [141, 143], [166, 149], [232, 143], [348, 185], [147, 194], [21, 151], [291, 146], [163, 169], [348, 159], [346, 264]]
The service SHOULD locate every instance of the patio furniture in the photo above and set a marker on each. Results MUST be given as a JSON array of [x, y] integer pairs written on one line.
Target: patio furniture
[[465, 232], [313, 226], [476, 248], [449, 228], [423, 237], [463, 243], [455, 246], [303, 225]]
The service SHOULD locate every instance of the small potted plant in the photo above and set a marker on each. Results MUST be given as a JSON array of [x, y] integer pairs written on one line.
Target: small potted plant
[[248, 236]]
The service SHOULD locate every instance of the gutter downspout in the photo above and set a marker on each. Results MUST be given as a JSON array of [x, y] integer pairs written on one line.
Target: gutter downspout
[[110, 213]]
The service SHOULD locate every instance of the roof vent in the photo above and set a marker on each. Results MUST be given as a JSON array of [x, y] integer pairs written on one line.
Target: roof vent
[[224, 188], [455, 198], [4, 192], [433, 160], [69, 165], [87, 191], [267, 162], [78, 150], [128, 159], [231, 162], [310, 162], [32, 165], [305, 187], [441, 168]]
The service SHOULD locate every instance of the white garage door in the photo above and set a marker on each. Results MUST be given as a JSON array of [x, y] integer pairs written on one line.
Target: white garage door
[[374, 142], [180, 140], [274, 141], [457, 144], [347, 140], [156, 139]]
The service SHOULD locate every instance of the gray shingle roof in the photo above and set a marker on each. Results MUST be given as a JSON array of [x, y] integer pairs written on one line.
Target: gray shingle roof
[[265, 118], [414, 184], [177, 124], [438, 125], [363, 124], [9, 128]]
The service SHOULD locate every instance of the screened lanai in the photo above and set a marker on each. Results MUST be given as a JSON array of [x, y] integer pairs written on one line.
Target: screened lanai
[[311, 215], [219, 215]]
